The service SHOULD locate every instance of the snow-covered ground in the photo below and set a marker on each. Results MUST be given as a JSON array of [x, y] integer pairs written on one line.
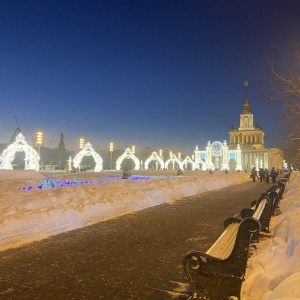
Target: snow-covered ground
[[35, 206], [274, 269]]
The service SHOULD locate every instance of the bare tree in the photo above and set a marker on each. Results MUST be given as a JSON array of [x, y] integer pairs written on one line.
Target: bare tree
[[287, 89]]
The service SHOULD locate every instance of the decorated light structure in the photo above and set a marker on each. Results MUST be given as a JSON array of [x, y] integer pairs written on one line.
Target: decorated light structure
[[20, 145], [188, 160], [157, 159], [88, 151], [172, 160], [128, 155]]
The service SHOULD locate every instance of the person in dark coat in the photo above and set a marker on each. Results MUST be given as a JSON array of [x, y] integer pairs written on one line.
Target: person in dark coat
[[261, 175], [253, 174], [126, 174], [273, 175], [267, 175]]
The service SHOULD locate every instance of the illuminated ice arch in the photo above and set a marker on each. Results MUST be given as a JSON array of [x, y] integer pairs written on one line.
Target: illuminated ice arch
[[208, 166], [20, 145], [88, 151], [127, 155], [188, 160], [172, 160], [154, 157]]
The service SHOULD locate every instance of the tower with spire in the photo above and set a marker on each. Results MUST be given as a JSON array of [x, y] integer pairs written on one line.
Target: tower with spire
[[246, 117], [246, 135]]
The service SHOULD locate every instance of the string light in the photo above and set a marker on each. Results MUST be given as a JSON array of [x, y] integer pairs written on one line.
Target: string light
[[50, 184]]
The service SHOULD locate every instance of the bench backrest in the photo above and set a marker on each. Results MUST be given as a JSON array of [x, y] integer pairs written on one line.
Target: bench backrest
[[235, 239], [223, 246], [260, 206]]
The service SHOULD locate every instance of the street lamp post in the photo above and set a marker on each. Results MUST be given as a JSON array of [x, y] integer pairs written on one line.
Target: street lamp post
[[133, 149], [81, 143], [111, 149], [39, 140]]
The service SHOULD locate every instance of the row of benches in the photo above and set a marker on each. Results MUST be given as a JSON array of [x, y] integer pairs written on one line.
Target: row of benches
[[219, 272]]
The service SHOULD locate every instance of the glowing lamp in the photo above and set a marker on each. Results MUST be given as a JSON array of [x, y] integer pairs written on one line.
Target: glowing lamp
[[111, 146], [81, 143], [39, 137], [133, 149]]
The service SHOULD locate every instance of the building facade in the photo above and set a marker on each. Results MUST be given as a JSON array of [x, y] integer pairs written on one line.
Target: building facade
[[246, 147]]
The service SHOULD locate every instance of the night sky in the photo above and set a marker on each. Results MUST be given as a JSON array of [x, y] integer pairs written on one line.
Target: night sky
[[163, 74]]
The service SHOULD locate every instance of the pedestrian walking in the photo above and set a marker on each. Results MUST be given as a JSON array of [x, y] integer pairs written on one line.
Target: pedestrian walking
[[273, 174], [253, 174], [267, 175], [261, 175]]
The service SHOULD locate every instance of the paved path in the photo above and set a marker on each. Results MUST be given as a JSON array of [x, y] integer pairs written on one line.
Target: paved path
[[137, 256]]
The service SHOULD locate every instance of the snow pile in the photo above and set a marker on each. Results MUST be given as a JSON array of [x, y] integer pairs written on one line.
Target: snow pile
[[274, 269], [30, 214]]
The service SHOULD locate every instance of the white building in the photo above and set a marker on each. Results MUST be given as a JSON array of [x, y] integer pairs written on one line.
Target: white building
[[246, 147]]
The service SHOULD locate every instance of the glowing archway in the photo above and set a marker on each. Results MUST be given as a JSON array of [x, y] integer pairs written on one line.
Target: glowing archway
[[208, 166], [155, 157], [127, 155], [189, 160], [88, 151], [20, 145], [172, 160]]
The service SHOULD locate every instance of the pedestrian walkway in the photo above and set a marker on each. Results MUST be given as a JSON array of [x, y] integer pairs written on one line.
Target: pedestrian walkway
[[136, 256]]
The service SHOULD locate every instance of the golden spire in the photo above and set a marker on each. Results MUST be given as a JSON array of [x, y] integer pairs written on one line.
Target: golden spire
[[246, 108]]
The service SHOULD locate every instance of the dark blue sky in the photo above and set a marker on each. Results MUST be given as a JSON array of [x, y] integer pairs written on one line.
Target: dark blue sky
[[160, 73]]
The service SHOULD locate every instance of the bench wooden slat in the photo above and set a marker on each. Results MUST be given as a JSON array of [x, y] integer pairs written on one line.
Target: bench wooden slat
[[260, 209], [224, 244]]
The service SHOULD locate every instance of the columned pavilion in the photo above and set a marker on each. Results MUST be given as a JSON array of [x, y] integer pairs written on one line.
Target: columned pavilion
[[250, 139]]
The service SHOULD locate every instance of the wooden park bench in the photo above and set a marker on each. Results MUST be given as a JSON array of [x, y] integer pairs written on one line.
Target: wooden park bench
[[261, 210], [219, 272], [275, 192]]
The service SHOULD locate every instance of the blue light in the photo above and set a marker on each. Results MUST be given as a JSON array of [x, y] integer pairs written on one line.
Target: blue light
[[48, 183]]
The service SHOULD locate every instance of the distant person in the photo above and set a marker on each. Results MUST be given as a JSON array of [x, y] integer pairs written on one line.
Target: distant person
[[261, 175], [126, 174], [273, 174], [267, 175], [253, 174], [179, 172]]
